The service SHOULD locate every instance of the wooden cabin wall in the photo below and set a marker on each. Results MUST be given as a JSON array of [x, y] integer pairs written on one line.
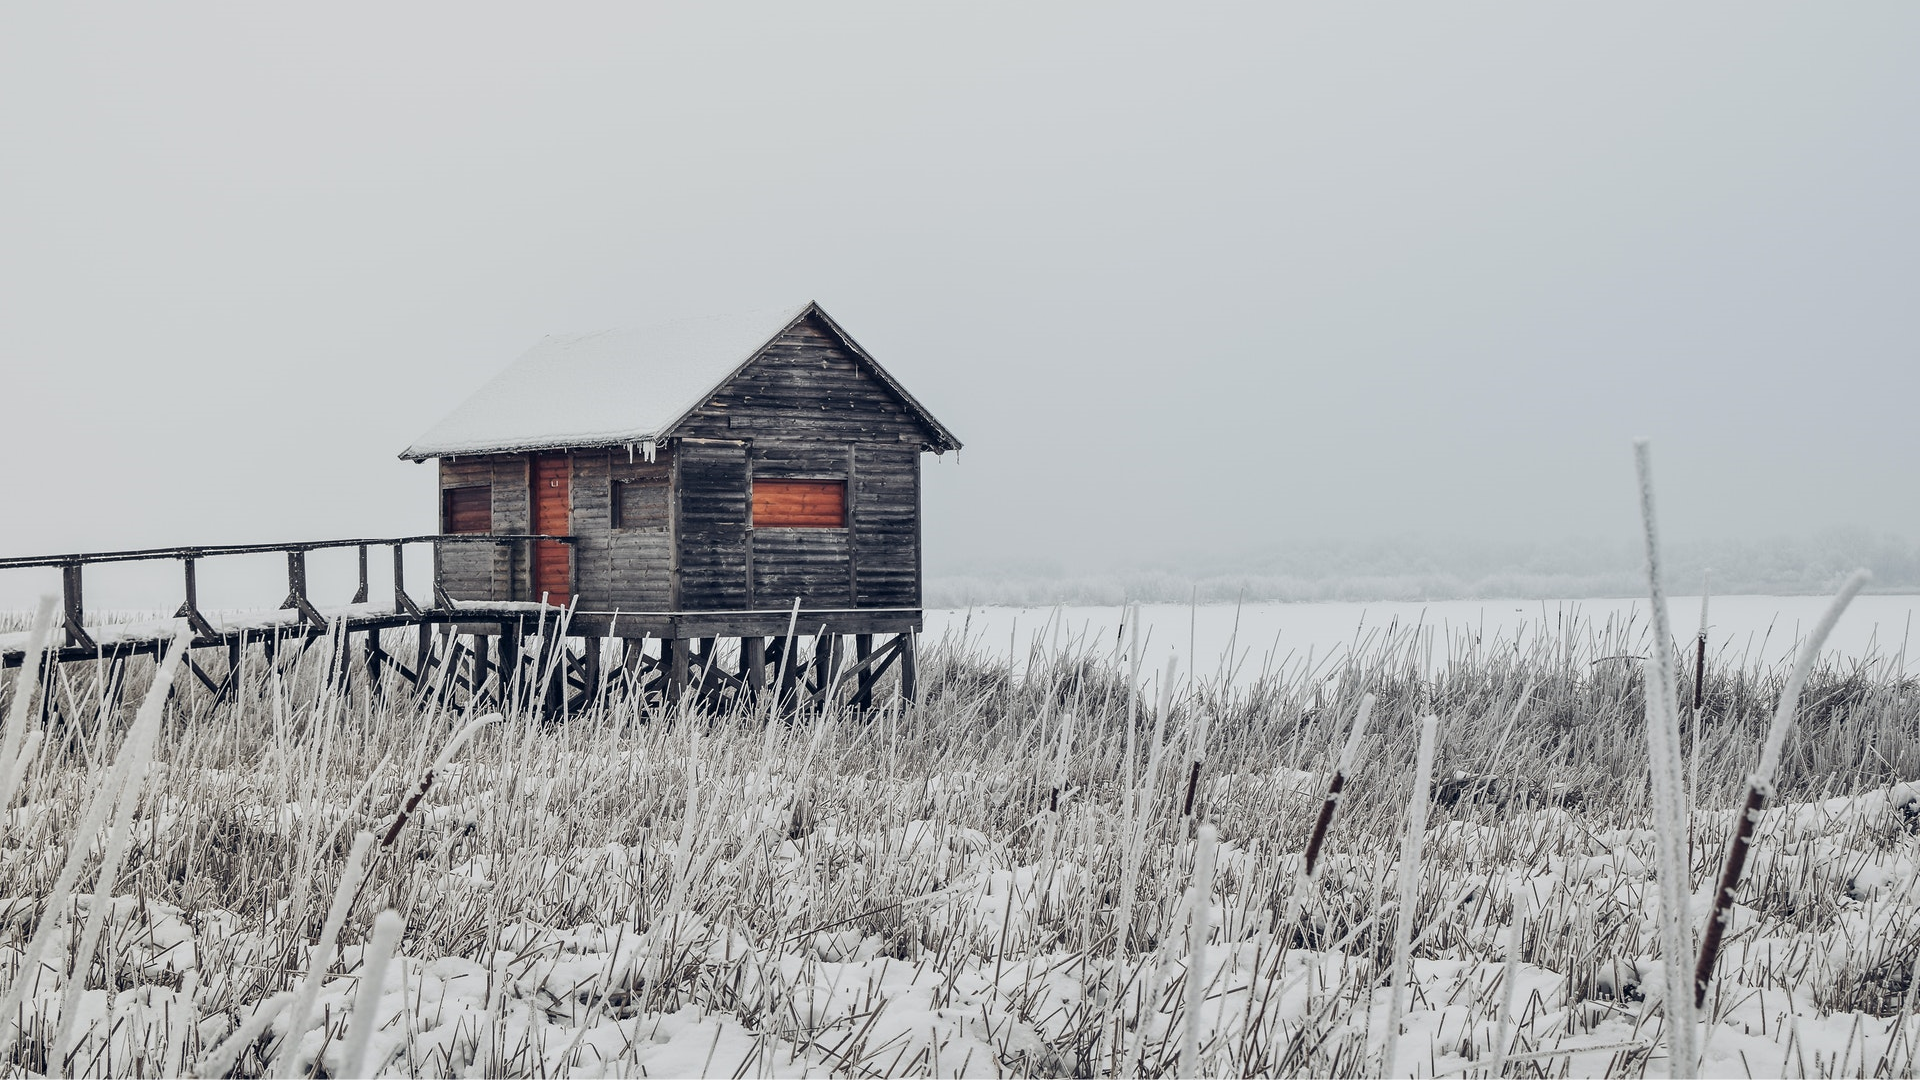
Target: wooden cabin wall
[[806, 388], [885, 494], [815, 565], [710, 481], [628, 567], [810, 409], [487, 571]]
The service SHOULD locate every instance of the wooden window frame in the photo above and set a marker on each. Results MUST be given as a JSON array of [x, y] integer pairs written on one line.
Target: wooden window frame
[[846, 502], [446, 515]]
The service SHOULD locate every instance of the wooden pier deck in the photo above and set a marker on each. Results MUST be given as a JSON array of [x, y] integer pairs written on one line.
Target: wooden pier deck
[[484, 647]]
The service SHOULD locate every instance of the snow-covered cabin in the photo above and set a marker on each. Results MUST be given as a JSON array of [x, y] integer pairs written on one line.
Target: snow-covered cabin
[[728, 464]]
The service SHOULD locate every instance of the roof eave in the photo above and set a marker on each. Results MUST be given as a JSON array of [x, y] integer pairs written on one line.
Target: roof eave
[[595, 443]]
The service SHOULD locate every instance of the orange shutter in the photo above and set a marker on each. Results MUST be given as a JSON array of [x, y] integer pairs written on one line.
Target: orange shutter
[[799, 504]]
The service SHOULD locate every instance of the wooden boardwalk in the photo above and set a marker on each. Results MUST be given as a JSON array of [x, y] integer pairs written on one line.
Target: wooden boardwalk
[[483, 648]]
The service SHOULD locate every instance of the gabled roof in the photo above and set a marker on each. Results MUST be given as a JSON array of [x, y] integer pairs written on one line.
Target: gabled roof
[[617, 387]]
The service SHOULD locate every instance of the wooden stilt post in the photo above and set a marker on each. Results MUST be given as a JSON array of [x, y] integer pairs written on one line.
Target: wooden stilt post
[[909, 669], [753, 665], [374, 657], [550, 668], [482, 662], [704, 673], [863, 687], [235, 645], [677, 667], [509, 663], [633, 657], [786, 659], [455, 658], [422, 654], [826, 662], [117, 680], [590, 669]]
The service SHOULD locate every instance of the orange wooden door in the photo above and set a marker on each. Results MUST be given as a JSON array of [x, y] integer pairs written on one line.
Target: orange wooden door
[[552, 516]]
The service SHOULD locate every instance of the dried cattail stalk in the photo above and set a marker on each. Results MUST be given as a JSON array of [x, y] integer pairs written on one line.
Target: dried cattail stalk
[[1760, 786], [425, 783]]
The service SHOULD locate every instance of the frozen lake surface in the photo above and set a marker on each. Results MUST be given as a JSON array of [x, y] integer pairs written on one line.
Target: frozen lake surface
[[1749, 630]]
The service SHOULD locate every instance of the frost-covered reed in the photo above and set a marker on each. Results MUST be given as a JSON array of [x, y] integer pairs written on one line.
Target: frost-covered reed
[[902, 893], [1670, 814]]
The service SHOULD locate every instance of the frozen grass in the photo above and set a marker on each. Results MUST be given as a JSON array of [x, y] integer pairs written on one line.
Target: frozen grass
[[937, 889]]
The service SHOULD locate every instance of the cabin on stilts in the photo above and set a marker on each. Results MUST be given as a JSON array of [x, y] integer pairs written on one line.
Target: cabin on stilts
[[750, 479], [722, 506]]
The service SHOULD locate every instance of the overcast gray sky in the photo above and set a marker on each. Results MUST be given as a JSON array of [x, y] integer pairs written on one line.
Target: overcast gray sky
[[1183, 278]]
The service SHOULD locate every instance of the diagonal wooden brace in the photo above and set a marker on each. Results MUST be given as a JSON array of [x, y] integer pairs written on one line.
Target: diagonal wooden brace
[[190, 610], [402, 603], [71, 604], [297, 590]]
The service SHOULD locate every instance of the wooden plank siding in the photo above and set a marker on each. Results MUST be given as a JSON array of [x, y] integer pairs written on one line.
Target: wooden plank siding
[[806, 387], [486, 571], [812, 411], [811, 564], [639, 565], [711, 526], [886, 527], [805, 409]]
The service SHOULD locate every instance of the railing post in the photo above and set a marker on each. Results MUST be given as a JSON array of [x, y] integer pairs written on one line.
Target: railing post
[[297, 588], [440, 598], [402, 603], [190, 610], [360, 597], [71, 603]]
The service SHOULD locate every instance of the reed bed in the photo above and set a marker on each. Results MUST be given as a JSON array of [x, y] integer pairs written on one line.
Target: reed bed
[[998, 880]]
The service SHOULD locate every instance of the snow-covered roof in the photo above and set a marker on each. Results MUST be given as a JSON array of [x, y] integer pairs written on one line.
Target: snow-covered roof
[[617, 386], [604, 388]]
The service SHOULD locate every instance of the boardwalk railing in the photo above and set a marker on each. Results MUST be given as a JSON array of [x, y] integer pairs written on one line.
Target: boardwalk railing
[[72, 594], [792, 652]]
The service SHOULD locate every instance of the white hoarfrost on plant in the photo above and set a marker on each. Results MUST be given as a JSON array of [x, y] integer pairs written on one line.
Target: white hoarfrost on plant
[[637, 890]]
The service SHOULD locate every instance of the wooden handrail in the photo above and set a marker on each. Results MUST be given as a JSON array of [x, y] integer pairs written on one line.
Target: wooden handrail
[[210, 550]]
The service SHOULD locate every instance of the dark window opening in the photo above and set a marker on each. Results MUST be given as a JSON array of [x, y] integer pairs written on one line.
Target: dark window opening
[[800, 504], [467, 509]]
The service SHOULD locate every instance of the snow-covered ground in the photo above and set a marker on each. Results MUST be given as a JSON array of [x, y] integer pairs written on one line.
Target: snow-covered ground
[[968, 963], [1000, 881], [1747, 631]]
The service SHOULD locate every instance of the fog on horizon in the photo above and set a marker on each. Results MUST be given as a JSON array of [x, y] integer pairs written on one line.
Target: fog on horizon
[[1192, 285]]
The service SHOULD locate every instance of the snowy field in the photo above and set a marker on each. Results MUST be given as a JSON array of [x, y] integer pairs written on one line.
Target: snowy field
[[1743, 631], [1000, 881]]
